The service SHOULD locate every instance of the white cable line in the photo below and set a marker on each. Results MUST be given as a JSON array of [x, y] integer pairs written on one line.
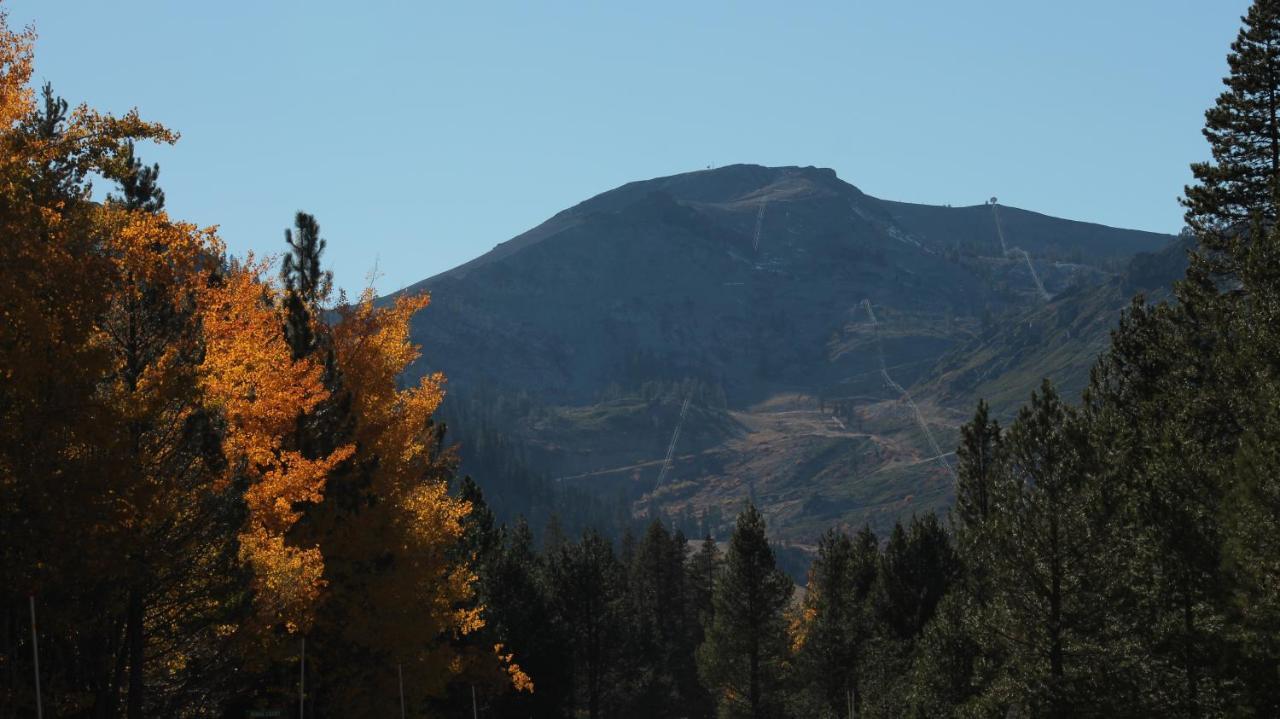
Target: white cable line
[[755, 240], [906, 396], [671, 448], [995, 213], [1039, 285]]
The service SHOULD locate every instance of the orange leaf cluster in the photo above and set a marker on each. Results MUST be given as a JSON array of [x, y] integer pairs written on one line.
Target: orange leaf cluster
[[373, 348], [250, 375], [15, 72]]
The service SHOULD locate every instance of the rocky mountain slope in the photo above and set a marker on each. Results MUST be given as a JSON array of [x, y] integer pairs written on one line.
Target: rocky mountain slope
[[828, 342]]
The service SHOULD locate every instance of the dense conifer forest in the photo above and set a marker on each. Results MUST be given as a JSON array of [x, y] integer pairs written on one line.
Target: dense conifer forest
[[218, 499]]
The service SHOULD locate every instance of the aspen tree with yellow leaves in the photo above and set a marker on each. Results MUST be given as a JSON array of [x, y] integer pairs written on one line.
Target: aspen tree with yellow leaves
[[164, 479]]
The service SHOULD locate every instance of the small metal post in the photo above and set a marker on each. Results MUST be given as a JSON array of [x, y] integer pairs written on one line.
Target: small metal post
[[400, 673], [302, 680], [474, 713], [35, 653]]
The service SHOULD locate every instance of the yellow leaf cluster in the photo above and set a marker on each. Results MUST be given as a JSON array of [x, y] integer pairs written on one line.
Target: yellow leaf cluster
[[249, 374], [428, 596], [15, 72], [519, 680], [373, 348]]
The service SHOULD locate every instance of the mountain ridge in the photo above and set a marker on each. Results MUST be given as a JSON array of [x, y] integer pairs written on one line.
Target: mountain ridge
[[754, 283]]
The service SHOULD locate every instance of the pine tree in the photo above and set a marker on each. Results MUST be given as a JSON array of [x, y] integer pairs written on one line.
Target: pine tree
[[1252, 560], [306, 284], [1251, 502], [746, 647], [702, 570], [950, 669], [661, 629], [834, 624], [917, 566], [138, 183], [587, 589], [955, 649], [1046, 582], [1167, 403], [978, 455], [1243, 128]]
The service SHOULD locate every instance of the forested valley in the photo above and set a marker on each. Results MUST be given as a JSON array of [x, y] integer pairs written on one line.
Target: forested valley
[[219, 499]]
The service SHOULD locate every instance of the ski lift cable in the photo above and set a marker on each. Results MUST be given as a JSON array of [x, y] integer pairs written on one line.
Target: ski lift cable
[[906, 396], [671, 447], [1004, 248], [755, 239]]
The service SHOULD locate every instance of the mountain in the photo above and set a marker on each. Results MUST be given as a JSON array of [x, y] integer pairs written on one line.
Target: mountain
[[829, 343]]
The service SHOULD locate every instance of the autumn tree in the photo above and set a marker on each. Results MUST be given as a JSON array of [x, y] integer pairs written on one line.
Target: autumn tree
[[105, 436], [161, 442], [400, 590]]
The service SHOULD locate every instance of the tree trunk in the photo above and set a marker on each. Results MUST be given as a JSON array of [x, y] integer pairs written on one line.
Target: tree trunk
[[1189, 627], [136, 649], [753, 691], [1056, 671]]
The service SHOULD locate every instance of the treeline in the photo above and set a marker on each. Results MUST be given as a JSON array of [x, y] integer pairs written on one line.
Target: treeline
[[658, 626], [515, 489], [200, 479]]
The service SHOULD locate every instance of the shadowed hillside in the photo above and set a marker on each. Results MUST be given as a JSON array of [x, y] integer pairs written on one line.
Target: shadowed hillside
[[758, 286]]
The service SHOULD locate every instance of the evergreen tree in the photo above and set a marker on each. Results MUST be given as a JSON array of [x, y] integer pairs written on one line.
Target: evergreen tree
[[917, 566], [1243, 129], [834, 624], [587, 589], [306, 284], [1047, 585], [520, 618], [662, 630], [743, 657], [1252, 560], [702, 569], [979, 456], [915, 570], [951, 667], [955, 652], [1166, 404], [138, 183], [1250, 511]]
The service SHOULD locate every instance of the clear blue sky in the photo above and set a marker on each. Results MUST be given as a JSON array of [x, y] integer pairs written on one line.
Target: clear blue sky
[[423, 133]]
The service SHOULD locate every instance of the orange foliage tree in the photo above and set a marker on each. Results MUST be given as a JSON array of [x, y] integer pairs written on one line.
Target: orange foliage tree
[[402, 590], [260, 390], [155, 495]]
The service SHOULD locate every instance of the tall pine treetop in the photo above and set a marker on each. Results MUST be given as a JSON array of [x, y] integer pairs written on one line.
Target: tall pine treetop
[[139, 183], [978, 454], [301, 271], [1243, 128], [306, 285]]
